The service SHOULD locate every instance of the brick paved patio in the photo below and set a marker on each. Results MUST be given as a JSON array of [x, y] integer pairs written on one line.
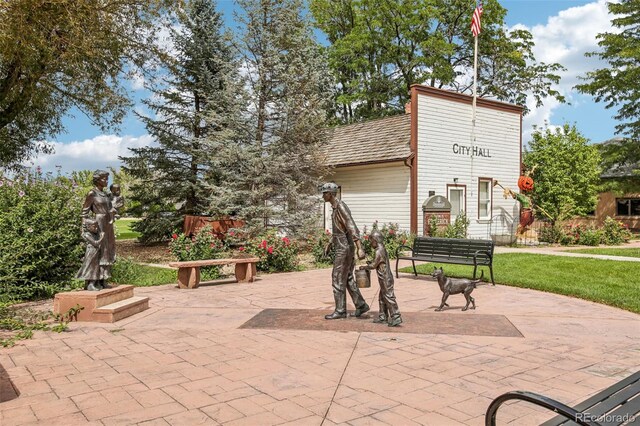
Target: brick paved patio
[[186, 361]]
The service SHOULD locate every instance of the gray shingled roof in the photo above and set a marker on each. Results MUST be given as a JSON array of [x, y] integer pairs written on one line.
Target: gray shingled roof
[[374, 141]]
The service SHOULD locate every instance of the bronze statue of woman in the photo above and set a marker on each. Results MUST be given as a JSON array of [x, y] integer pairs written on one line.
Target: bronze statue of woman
[[98, 203]]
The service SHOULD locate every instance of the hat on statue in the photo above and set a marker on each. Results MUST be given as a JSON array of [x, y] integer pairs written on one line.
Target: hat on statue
[[329, 187]]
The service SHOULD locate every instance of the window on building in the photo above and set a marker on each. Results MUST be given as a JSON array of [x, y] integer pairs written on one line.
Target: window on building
[[628, 206], [484, 198], [457, 198]]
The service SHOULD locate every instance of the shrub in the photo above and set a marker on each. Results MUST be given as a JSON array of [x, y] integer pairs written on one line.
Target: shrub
[[550, 233], [457, 229], [590, 237], [614, 232], [393, 238], [202, 246], [40, 244], [320, 241], [277, 254]]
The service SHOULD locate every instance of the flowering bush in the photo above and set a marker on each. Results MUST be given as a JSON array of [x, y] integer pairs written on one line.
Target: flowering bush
[[393, 238], [202, 246], [40, 244], [614, 232], [277, 254], [550, 233]]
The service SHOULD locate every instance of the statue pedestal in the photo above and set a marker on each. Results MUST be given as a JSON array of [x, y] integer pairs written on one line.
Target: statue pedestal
[[108, 305]]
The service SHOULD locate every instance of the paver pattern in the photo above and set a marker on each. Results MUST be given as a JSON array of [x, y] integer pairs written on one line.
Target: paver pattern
[[185, 361]]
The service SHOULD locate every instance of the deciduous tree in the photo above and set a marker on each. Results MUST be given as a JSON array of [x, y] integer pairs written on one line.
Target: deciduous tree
[[617, 84], [379, 48], [567, 172], [64, 54]]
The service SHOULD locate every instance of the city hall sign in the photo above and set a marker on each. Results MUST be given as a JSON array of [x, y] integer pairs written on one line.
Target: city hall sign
[[473, 151]]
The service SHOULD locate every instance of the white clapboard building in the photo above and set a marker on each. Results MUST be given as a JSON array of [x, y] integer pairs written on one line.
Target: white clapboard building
[[387, 168]]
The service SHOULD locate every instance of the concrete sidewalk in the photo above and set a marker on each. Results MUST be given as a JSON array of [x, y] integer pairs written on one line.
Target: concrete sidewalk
[[563, 251], [186, 361]]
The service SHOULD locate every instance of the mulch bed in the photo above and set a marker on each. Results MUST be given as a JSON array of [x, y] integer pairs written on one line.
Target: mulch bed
[[152, 253]]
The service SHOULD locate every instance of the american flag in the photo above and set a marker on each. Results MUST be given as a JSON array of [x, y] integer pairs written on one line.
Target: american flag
[[475, 20]]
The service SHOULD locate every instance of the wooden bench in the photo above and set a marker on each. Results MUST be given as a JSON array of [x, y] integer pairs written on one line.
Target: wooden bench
[[449, 250], [189, 271], [618, 404]]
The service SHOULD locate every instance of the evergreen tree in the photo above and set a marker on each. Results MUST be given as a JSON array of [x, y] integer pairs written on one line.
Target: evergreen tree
[[273, 172], [193, 105]]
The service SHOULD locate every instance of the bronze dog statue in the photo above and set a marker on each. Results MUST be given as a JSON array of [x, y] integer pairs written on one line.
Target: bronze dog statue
[[450, 286]]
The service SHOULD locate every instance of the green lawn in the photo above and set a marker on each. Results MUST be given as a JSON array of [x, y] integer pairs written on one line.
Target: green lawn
[[125, 271], [123, 229], [626, 252], [610, 282]]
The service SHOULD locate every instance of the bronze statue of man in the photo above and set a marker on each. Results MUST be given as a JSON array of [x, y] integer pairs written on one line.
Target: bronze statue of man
[[345, 238]]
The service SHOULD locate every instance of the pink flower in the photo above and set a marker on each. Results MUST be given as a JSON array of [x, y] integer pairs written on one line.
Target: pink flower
[[286, 241], [263, 244], [21, 193], [391, 232], [231, 233], [174, 236], [241, 248], [270, 249], [326, 231]]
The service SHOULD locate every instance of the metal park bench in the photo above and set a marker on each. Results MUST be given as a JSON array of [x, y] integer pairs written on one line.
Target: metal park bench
[[617, 405], [449, 250]]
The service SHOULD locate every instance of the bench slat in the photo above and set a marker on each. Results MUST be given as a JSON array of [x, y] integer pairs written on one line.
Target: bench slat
[[590, 405], [209, 262], [630, 409]]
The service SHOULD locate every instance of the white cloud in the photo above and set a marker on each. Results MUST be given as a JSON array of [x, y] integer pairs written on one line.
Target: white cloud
[[565, 38], [90, 154]]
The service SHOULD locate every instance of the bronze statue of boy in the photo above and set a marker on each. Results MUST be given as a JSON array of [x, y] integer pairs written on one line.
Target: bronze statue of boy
[[389, 311]]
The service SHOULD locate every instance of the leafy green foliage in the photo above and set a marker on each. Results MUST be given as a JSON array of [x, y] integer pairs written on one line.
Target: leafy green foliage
[[617, 84], [379, 48], [40, 244], [202, 246], [614, 232], [319, 243], [610, 282], [277, 254], [393, 238], [57, 55], [457, 229], [567, 173]]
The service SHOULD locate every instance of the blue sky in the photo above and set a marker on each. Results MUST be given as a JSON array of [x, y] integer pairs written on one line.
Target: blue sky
[[563, 31]]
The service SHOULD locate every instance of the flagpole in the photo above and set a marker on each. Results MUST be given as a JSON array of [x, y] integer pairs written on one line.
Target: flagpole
[[473, 102]]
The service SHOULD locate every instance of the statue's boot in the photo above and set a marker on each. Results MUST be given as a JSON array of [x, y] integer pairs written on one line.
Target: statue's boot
[[395, 321], [336, 315], [382, 318], [361, 310], [92, 287], [106, 285]]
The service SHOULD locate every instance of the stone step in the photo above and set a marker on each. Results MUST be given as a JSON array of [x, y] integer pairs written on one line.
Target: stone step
[[92, 301], [121, 309]]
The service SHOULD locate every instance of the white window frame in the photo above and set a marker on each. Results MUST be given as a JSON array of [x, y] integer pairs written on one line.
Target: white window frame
[[489, 181]]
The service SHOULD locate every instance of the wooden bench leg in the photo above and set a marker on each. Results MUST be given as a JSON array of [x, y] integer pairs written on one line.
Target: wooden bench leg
[[245, 272], [188, 277]]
